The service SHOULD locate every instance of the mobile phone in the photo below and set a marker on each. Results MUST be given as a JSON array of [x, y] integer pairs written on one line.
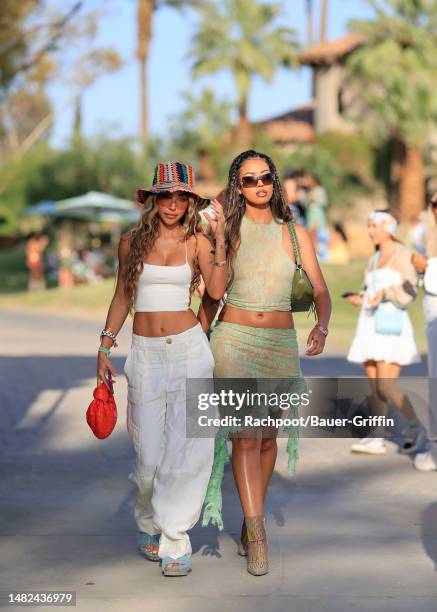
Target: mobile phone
[[210, 210], [347, 294]]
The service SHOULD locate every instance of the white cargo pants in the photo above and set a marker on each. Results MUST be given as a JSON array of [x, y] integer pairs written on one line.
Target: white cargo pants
[[171, 471]]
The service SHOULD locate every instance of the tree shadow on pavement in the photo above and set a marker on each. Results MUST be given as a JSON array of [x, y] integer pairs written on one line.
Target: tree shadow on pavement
[[66, 493]]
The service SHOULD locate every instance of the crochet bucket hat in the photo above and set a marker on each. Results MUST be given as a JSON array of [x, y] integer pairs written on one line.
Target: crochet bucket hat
[[170, 177]]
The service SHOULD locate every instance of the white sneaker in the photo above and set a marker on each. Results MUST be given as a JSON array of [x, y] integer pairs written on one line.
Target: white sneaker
[[370, 446], [425, 462]]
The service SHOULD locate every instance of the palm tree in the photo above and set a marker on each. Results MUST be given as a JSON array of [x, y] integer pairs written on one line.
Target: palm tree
[[145, 12], [396, 73], [200, 127], [242, 36], [324, 20], [145, 9], [309, 12]]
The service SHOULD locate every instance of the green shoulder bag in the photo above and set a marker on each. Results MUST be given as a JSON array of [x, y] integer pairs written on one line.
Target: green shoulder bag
[[302, 292]]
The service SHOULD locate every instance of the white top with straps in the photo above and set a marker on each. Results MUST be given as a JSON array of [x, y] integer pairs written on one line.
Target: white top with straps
[[164, 288]]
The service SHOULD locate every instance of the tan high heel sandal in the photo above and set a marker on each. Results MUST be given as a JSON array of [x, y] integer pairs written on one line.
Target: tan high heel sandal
[[257, 559]]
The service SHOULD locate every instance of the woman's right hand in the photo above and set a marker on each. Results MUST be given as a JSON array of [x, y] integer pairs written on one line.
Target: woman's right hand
[[103, 365], [355, 300]]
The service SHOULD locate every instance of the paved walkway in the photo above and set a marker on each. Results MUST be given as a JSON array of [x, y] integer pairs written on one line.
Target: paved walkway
[[348, 533]]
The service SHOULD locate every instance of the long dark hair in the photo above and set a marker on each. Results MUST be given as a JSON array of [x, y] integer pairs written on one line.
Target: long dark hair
[[234, 204]]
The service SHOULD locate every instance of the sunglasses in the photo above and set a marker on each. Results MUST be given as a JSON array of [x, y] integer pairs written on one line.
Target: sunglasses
[[252, 181], [179, 198], [434, 204]]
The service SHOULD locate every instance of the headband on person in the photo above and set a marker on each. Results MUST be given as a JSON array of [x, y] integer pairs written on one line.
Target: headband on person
[[389, 222]]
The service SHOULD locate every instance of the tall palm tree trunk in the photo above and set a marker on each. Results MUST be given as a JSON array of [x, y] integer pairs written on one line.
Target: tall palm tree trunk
[[411, 184], [324, 21], [244, 131], [145, 10], [309, 11]]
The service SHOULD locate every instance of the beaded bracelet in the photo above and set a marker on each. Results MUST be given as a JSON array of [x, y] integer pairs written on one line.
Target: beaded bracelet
[[109, 334], [103, 349]]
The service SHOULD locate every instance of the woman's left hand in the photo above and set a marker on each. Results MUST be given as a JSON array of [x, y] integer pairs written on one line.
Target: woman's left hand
[[376, 299], [419, 262], [217, 224], [316, 342]]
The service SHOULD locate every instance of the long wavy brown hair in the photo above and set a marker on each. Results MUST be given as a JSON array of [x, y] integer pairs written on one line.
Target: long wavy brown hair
[[142, 237], [235, 206]]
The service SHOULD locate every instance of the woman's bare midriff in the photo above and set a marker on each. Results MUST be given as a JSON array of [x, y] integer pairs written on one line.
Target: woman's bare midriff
[[156, 324], [276, 319]]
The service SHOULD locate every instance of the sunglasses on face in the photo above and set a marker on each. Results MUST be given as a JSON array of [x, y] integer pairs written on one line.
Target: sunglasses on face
[[252, 181], [434, 204], [179, 198]]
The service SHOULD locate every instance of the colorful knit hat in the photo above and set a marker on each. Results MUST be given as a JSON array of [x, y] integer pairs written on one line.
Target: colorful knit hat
[[171, 176]]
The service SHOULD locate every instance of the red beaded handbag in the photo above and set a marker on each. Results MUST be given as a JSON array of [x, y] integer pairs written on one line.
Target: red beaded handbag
[[101, 414]]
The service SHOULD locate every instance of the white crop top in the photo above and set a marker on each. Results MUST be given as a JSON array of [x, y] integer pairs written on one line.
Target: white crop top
[[164, 288]]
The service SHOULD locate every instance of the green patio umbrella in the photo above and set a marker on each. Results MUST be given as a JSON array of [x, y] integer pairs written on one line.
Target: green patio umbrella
[[97, 206], [47, 208]]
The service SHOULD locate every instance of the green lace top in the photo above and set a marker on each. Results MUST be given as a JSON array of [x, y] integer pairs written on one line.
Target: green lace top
[[263, 271]]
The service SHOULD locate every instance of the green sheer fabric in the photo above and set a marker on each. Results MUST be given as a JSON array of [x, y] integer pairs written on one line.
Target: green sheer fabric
[[242, 351], [262, 282], [263, 270]]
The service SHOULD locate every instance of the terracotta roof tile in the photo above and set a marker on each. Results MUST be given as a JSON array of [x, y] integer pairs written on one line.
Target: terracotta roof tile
[[292, 126], [290, 131], [329, 51]]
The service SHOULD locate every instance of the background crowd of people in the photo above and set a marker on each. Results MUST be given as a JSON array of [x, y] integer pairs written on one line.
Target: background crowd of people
[[308, 201], [65, 266]]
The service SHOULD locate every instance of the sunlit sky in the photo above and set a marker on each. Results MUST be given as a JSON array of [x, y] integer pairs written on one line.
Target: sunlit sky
[[112, 103]]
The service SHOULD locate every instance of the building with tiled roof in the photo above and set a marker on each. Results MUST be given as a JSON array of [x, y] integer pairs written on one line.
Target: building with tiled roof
[[329, 52], [335, 101]]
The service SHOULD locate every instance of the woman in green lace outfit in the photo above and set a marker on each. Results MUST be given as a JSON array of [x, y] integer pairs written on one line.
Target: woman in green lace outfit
[[254, 336]]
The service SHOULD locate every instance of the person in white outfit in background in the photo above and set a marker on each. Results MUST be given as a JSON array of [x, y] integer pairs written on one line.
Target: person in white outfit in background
[[383, 344], [160, 262], [427, 264]]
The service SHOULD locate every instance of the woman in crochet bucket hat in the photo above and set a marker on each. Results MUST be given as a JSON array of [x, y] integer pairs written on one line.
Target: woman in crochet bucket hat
[[171, 177], [160, 262]]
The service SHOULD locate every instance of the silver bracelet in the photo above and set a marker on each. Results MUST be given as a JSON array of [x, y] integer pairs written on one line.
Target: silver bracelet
[[324, 330], [109, 335]]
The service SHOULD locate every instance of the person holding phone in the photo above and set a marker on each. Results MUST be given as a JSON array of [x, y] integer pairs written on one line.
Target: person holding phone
[[160, 262], [390, 282], [255, 337]]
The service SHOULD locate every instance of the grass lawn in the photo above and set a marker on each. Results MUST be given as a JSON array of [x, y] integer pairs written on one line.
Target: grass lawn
[[92, 301]]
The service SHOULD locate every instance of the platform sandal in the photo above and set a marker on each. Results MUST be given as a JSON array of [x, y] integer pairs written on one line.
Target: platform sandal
[[183, 566], [145, 540], [257, 560]]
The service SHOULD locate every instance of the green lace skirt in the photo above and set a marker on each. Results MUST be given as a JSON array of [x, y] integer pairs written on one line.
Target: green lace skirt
[[242, 351]]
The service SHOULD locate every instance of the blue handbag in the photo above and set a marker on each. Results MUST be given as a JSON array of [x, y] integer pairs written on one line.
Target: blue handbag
[[389, 319]]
